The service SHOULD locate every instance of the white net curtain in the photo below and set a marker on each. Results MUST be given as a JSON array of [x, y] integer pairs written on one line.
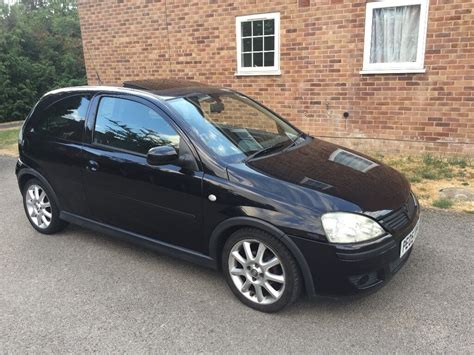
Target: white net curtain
[[395, 34]]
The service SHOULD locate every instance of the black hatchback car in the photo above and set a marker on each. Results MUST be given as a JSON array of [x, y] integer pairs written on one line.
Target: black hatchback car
[[211, 176]]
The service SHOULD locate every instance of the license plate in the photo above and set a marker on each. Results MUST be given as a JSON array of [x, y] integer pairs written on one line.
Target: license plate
[[408, 241]]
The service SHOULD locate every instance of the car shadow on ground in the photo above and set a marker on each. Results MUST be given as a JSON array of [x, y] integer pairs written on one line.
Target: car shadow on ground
[[212, 279]]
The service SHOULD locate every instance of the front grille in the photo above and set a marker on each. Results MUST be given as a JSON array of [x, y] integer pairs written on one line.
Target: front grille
[[400, 218]]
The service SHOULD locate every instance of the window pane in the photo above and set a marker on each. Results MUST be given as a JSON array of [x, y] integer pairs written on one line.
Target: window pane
[[269, 43], [258, 59], [238, 128], [258, 37], [247, 60], [247, 44], [269, 27], [246, 29], [65, 118], [257, 28], [258, 44], [395, 34], [132, 126], [269, 59]]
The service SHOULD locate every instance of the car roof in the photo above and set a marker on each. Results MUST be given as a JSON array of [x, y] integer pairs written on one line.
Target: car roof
[[172, 88], [164, 89]]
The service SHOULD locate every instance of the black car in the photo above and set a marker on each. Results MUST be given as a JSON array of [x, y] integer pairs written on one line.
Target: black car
[[211, 176]]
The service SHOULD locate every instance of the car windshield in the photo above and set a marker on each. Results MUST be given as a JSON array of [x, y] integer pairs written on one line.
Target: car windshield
[[234, 127]]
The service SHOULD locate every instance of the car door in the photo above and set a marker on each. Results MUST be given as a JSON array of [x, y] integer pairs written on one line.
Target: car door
[[161, 202]]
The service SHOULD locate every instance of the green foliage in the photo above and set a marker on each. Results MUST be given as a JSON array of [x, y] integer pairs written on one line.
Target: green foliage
[[459, 161], [429, 167], [442, 203], [40, 50], [435, 168], [438, 168]]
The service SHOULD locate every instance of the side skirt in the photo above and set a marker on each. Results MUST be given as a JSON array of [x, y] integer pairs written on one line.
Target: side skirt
[[162, 247]]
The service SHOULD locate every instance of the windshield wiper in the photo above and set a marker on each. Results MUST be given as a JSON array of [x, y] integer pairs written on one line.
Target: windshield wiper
[[267, 150], [295, 141]]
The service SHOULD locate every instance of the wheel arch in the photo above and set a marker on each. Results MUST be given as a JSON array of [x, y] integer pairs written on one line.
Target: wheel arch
[[227, 227], [27, 173]]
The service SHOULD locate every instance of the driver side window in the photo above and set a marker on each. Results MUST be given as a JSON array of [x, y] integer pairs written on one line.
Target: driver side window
[[132, 126]]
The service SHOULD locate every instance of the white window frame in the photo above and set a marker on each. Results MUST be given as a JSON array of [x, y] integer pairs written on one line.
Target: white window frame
[[406, 67], [274, 70]]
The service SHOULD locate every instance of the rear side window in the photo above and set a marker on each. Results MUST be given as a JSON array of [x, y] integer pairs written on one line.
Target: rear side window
[[65, 118], [132, 126]]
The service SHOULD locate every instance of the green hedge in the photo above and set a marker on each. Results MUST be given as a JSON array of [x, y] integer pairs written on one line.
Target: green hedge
[[40, 49]]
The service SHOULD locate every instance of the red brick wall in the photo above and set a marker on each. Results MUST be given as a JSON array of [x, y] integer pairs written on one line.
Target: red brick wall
[[321, 56]]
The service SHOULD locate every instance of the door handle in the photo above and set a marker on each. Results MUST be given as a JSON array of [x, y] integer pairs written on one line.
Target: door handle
[[92, 165]]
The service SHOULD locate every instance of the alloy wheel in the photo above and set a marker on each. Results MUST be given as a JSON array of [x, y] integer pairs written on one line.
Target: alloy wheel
[[256, 271], [38, 206]]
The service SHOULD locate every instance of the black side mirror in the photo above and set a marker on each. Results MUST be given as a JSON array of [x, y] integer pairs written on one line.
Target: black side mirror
[[162, 155]]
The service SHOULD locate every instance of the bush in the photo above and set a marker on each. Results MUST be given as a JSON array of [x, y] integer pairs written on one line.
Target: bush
[[40, 50]]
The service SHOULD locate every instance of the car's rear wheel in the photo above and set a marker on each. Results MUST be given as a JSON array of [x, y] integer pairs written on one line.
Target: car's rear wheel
[[260, 270], [40, 208]]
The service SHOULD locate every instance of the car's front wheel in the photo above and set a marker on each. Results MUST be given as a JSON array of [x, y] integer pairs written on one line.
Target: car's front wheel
[[260, 270]]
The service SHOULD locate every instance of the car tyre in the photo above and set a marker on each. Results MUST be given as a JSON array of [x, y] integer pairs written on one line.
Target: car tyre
[[41, 208], [260, 270]]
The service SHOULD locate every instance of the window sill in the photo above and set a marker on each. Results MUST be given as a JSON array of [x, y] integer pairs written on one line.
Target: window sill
[[258, 73], [391, 71]]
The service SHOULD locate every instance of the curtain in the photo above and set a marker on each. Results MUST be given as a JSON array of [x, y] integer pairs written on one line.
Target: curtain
[[395, 34]]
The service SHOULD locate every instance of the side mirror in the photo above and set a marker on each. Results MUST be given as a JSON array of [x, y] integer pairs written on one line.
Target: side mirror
[[162, 155]]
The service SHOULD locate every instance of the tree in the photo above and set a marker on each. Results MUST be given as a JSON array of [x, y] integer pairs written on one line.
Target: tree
[[40, 49], [33, 4]]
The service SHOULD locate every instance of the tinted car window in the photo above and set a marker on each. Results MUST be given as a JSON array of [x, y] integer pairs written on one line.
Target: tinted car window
[[65, 118], [132, 126]]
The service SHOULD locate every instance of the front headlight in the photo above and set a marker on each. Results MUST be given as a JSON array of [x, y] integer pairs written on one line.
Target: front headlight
[[343, 227]]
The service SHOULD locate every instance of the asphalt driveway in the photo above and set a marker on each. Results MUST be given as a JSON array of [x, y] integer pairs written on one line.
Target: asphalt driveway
[[81, 291]]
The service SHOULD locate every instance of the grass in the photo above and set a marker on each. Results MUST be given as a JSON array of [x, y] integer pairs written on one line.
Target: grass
[[442, 203], [9, 141], [8, 137], [428, 174], [429, 167]]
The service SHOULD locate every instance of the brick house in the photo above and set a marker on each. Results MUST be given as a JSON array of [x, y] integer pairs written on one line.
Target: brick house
[[391, 75]]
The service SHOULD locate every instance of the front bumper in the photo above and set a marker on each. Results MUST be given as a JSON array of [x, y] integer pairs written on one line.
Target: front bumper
[[357, 268]]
